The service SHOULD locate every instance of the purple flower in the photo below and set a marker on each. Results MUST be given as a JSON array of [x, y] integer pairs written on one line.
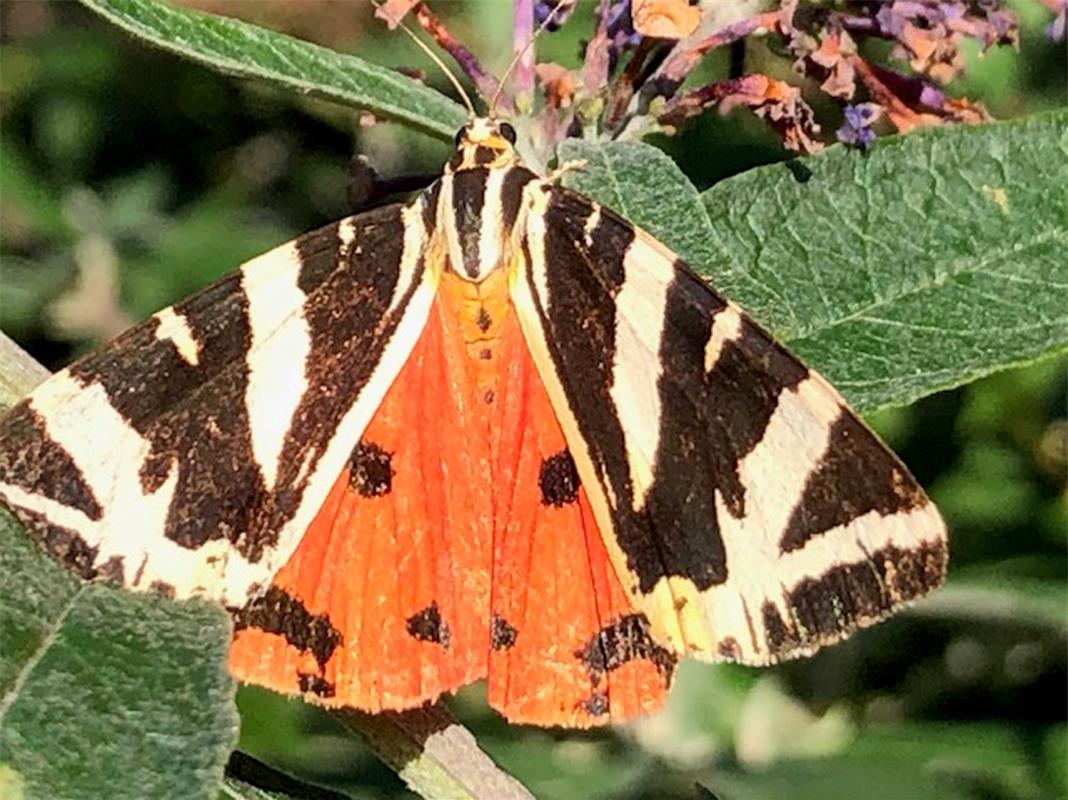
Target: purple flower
[[561, 10], [932, 97], [1056, 30], [858, 121], [620, 28]]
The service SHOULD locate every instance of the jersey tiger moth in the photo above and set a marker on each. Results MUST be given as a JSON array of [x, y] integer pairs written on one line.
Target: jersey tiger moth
[[494, 433]]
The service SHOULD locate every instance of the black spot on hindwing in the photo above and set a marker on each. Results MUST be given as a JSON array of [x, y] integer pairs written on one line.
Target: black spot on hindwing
[[558, 480], [502, 634], [280, 613], [596, 705], [315, 684], [627, 639], [428, 626], [371, 470]]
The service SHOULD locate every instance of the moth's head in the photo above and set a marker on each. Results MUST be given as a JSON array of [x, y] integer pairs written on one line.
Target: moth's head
[[484, 142]]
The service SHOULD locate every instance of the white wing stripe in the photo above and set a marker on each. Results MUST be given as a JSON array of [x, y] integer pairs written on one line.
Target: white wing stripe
[[640, 315], [174, 328], [280, 345]]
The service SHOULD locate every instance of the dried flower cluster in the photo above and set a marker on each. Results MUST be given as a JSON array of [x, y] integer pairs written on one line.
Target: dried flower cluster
[[640, 53]]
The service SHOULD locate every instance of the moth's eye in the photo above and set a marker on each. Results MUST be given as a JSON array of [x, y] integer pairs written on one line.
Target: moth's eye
[[459, 138], [507, 132]]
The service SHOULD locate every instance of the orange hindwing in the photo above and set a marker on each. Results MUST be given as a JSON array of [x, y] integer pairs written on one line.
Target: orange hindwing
[[458, 544]]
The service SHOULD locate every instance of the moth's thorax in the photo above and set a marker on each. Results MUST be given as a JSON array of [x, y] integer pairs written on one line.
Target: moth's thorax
[[478, 199], [476, 212]]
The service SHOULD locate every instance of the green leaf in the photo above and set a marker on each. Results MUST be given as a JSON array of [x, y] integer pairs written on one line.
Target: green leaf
[[907, 762], [934, 259], [104, 693], [247, 51]]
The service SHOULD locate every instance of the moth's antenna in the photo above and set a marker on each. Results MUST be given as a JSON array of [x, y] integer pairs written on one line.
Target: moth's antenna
[[519, 56], [437, 60]]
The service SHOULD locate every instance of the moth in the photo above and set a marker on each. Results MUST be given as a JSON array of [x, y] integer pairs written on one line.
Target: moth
[[497, 432]]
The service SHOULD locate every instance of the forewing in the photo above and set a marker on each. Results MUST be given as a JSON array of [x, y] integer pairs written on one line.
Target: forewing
[[567, 646], [747, 510], [190, 454]]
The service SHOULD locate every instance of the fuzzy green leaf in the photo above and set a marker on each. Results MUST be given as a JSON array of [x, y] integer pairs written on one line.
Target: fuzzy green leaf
[[104, 693], [247, 51], [934, 259]]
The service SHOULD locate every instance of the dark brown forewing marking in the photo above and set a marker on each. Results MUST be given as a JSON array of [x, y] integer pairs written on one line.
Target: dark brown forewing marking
[[558, 480], [708, 423], [857, 475], [729, 649], [624, 640], [114, 570], [279, 613], [62, 544], [349, 325], [31, 459], [162, 589], [428, 626], [315, 684], [468, 199], [584, 273], [822, 608], [502, 634], [194, 415], [371, 470]]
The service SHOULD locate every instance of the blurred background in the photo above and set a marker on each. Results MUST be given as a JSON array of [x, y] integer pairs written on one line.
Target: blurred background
[[129, 178]]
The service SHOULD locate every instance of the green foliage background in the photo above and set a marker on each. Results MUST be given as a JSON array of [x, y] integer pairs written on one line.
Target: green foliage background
[[129, 178]]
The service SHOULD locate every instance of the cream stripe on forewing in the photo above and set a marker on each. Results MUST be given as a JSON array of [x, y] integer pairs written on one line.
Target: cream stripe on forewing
[[852, 543], [534, 224], [321, 478], [172, 327], [103, 448], [346, 236], [133, 523], [591, 224], [640, 316], [776, 470], [279, 347], [726, 327], [797, 435]]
